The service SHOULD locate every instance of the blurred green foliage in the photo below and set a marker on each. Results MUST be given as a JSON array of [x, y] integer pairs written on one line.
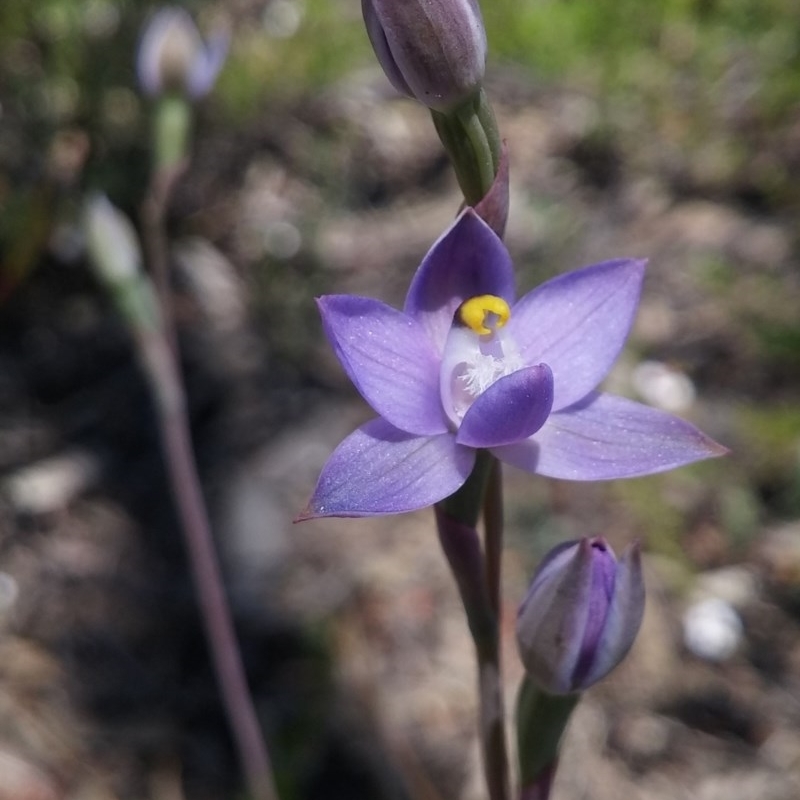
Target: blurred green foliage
[[628, 45], [299, 47], [714, 84]]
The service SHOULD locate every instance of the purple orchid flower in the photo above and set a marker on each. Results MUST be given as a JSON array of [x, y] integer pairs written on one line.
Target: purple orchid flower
[[462, 367], [581, 614]]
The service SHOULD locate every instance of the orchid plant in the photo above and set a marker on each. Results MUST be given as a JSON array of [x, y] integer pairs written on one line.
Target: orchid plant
[[464, 377]]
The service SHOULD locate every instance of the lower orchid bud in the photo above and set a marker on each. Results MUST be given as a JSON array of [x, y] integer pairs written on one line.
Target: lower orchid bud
[[580, 615]]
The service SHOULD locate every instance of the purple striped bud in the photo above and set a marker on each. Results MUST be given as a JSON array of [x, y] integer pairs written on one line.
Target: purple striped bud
[[431, 50], [581, 614], [173, 57]]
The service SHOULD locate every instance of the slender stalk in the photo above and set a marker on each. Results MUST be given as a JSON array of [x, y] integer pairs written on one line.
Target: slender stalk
[[541, 788], [477, 576], [159, 354], [541, 721], [492, 723], [491, 683], [472, 141], [484, 163], [493, 533], [154, 210]]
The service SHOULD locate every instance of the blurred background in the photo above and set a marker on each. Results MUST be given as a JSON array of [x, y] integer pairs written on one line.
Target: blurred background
[[668, 129]]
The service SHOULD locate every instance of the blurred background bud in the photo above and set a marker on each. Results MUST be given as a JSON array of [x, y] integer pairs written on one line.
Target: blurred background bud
[[431, 50], [172, 56], [111, 241], [113, 249], [581, 614]]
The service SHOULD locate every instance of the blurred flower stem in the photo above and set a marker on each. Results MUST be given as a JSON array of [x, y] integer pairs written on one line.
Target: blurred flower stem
[[176, 67], [115, 252], [215, 611], [153, 215], [161, 361]]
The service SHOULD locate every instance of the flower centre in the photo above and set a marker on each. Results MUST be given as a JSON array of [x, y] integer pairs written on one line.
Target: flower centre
[[476, 354]]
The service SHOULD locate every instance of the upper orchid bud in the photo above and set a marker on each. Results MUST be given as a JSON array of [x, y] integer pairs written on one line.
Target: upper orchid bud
[[431, 50], [173, 57], [581, 614]]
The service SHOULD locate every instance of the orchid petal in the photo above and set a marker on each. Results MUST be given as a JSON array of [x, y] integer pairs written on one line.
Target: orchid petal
[[513, 408], [389, 359], [577, 323], [606, 437], [624, 616], [379, 469], [468, 260], [552, 618], [165, 24], [208, 64], [383, 50], [598, 595]]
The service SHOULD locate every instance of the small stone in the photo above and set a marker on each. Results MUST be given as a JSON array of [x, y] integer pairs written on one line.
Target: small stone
[[642, 736], [712, 630], [663, 386]]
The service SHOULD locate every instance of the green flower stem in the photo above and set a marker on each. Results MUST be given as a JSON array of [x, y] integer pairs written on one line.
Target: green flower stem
[[465, 504], [541, 721], [492, 675], [470, 135], [492, 725], [462, 548], [541, 788], [493, 533], [172, 125], [481, 131], [153, 213], [478, 579]]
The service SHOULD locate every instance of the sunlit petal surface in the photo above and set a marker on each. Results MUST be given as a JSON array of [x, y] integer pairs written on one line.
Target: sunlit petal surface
[[381, 470]]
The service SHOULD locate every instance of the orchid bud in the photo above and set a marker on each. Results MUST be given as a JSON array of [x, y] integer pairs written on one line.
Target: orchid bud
[[114, 252], [581, 614], [173, 57], [111, 241], [431, 50]]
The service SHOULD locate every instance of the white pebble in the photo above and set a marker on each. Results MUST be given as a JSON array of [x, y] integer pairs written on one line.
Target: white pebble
[[712, 629], [663, 386]]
